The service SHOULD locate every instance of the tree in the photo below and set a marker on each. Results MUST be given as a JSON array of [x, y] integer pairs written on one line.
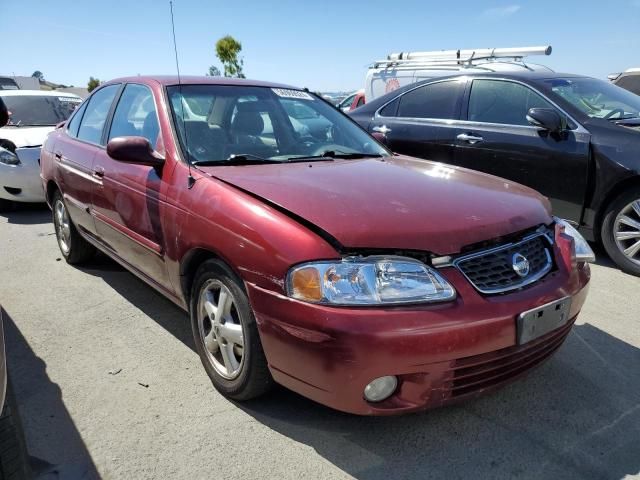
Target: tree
[[92, 84], [39, 75], [213, 71], [227, 50]]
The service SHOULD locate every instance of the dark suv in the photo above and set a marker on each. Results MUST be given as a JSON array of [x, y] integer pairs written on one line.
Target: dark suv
[[575, 139]]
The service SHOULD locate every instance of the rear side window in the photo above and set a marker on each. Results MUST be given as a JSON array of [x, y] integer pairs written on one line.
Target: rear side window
[[136, 115], [630, 82], [390, 109], [96, 113], [75, 121], [436, 100], [499, 101]]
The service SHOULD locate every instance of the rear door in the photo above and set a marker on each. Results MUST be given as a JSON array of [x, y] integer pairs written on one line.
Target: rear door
[[127, 201], [74, 153], [496, 138], [420, 122]]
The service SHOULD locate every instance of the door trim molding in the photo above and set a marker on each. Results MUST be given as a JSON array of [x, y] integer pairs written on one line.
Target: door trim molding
[[135, 237]]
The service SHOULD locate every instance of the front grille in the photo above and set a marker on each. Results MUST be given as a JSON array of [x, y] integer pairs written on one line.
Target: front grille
[[495, 271], [479, 372]]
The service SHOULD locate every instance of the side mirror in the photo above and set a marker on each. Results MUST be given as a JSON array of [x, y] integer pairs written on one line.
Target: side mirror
[[134, 150], [379, 136], [4, 114], [547, 118]]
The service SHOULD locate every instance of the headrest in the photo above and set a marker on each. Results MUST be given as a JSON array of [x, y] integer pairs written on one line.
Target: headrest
[[248, 122]]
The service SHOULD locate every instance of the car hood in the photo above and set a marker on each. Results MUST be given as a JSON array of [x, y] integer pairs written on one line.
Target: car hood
[[26, 136], [394, 203]]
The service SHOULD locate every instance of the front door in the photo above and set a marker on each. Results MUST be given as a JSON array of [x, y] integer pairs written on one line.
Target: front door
[[496, 138], [127, 203], [419, 122]]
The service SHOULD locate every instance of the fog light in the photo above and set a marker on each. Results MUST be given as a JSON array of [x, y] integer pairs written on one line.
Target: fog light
[[380, 389]]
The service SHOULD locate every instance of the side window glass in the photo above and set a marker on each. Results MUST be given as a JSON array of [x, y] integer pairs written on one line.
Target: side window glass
[[135, 115], [436, 100], [96, 114], [360, 102], [391, 108], [499, 101], [72, 129], [347, 101]]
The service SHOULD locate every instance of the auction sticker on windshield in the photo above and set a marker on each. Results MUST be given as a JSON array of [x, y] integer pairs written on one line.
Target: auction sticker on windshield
[[286, 93], [70, 99]]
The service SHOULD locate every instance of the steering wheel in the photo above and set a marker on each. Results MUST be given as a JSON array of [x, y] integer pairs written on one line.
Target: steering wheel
[[613, 112]]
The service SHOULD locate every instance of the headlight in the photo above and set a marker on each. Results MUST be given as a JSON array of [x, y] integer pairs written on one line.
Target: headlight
[[583, 250], [8, 158], [368, 281]]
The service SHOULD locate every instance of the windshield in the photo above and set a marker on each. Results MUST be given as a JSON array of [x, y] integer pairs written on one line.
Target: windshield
[[597, 98], [217, 122], [39, 110]]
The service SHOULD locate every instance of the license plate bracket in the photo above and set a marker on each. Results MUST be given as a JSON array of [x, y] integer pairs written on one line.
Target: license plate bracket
[[541, 320]]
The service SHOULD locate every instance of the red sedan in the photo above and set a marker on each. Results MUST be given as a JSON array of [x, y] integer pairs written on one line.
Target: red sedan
[[367, 281]]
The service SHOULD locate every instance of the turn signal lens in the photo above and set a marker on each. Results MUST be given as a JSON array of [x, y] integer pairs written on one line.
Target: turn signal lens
[[305, 284], [582, 250]]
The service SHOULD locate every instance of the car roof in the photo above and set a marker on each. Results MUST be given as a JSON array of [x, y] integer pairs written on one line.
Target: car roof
[[167, 80], [39, 93], [520, 75], [531, 76]]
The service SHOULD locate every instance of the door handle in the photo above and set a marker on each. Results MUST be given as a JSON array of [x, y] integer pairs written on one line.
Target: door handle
[[383, 129], [98, 172], [58, 156], [469, 138]]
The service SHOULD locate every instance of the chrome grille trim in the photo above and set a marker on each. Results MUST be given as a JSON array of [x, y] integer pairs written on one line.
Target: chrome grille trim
[[528, 280]]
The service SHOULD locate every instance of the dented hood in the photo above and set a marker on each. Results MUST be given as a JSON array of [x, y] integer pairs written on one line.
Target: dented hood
[[397, 202]]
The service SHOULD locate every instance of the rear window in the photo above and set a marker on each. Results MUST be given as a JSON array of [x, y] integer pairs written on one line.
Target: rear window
[[8, 84], [436, 100], [39, 110]]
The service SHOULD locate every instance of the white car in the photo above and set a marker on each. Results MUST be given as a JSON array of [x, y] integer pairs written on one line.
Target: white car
[[32, 115]]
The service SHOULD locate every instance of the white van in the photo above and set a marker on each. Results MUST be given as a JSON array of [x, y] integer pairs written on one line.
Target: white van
[[400, 69]]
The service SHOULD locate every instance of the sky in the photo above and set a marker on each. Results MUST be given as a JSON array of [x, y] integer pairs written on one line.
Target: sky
[[323, 45]]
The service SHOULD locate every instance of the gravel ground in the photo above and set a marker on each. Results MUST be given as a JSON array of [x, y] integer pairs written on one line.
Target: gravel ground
[[109, 385]]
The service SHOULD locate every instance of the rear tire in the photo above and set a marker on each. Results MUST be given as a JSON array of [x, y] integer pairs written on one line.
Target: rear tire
[[226, 335], [621, 231], [74, 248]]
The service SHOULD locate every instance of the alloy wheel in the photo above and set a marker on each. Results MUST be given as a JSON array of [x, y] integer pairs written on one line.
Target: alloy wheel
[[62, 226], [220, 329], [626, 231]]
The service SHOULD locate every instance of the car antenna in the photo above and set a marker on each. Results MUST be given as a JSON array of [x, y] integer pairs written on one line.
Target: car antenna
[[191, 180]]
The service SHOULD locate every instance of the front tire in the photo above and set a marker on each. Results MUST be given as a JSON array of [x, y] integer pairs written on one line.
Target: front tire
[[5, 205], [621, 231], [73, 247], [226, 335], [13, 451]]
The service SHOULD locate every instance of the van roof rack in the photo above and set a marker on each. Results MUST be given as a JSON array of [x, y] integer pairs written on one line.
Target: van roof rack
[[456, 59]]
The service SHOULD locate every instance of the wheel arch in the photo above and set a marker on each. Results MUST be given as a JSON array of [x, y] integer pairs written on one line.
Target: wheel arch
[[51, 189], [612, 194], [190, 263]]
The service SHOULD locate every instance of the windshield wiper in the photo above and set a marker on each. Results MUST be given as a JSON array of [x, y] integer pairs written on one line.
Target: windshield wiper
[[238, 159], [328, 154]]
